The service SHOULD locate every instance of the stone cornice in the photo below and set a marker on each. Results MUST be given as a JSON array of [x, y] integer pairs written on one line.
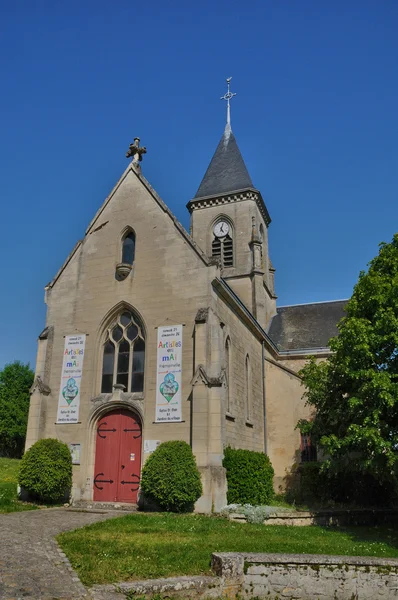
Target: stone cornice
[[229, 198]]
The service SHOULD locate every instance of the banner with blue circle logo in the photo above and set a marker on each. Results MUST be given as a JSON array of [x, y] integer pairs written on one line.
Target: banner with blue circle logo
[[169, 374], [71, 377]]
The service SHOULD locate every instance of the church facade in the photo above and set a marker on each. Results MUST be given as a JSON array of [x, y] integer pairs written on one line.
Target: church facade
[[154, 334]]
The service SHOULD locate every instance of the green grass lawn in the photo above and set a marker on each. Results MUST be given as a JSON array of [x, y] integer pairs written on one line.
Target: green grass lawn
[[146, 546], [8, 487]]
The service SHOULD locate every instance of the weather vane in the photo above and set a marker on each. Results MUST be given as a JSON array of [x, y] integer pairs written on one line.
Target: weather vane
[[228, 97]]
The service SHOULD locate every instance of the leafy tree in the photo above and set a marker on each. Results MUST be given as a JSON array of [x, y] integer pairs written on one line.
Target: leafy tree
[[355, 391], [16, 380]]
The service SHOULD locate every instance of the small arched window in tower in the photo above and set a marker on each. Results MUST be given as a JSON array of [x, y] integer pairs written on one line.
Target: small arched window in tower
[[222, 244], [128, 249], [124, 355], [248, 399]]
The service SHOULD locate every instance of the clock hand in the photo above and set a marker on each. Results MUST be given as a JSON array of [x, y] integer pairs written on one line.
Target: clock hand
[[222, 228]]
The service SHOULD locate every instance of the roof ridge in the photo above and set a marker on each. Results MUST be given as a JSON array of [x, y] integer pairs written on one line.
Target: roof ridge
[[311, 303]]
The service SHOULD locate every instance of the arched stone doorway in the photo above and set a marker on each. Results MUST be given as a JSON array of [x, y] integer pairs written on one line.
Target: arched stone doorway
[[117, 468]]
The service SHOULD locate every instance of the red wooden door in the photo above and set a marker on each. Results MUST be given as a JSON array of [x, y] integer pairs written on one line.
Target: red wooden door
[[117, 458]]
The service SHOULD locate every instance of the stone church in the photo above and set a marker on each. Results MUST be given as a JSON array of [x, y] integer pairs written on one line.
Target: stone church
[[154, 334]]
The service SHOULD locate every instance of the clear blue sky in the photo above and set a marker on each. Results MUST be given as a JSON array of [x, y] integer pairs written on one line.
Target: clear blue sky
[[315, 118]]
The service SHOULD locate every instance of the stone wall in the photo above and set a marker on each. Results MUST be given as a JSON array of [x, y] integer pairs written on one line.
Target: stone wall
[[306, 577], [327, 518], [240, 429], [285, 406]]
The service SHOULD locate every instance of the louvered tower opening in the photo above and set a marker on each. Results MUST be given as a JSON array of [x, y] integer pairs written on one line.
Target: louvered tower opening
[[216, 248], [227, 252], [223, 248]]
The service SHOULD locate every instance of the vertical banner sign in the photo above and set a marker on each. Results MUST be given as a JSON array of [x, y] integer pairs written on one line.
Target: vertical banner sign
[[71, 378], [169, 374]]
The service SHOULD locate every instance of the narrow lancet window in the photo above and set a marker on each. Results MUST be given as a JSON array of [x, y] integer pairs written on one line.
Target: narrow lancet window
[[248, 399], [228, 373], [128, 251]]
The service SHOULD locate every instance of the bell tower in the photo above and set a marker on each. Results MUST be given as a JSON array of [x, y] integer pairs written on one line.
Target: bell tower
[[229, 221]]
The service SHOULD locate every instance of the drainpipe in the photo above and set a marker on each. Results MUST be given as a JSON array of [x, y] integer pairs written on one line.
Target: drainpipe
[[264, 395]]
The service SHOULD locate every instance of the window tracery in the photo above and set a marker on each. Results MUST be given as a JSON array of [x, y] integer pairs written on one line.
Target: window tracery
[[124, 354]]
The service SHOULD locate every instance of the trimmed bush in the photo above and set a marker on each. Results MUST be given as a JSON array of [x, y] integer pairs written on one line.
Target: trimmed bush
[[249, 477], [46, 471], [170, 477]]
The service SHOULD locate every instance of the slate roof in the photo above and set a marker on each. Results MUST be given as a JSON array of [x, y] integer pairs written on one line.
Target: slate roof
[[306, 325], [227, 171]]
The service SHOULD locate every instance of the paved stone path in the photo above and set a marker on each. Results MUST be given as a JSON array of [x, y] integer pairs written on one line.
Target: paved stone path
[[32, 567]]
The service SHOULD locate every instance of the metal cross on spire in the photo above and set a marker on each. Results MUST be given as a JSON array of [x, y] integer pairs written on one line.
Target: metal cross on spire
[[228, 97]]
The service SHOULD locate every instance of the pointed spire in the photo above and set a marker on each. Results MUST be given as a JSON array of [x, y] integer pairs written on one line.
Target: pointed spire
[[227, 171]]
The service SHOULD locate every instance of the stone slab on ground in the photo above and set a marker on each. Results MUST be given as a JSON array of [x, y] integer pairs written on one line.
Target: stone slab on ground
[[32, 566], [91, 505], [194, 586]]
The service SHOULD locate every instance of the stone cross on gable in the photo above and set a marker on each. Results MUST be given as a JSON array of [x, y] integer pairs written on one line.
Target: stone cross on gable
[[136, 151]]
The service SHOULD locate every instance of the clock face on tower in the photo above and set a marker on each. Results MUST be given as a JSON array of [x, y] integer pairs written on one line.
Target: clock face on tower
[[221, 229]]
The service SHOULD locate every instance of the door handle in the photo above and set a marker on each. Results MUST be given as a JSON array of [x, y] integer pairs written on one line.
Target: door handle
[[122, 467]]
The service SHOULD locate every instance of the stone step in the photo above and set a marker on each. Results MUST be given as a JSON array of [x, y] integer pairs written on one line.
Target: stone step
[[91, 506]]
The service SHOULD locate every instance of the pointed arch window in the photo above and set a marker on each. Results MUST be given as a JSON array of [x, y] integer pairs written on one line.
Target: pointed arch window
[[128, 248], [248, 382], [124, 354], [222, 246], [228, 370]]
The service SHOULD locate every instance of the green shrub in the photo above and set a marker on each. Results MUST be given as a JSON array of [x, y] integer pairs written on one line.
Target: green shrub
[[170, 477], [249, 477], [46, 471]]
